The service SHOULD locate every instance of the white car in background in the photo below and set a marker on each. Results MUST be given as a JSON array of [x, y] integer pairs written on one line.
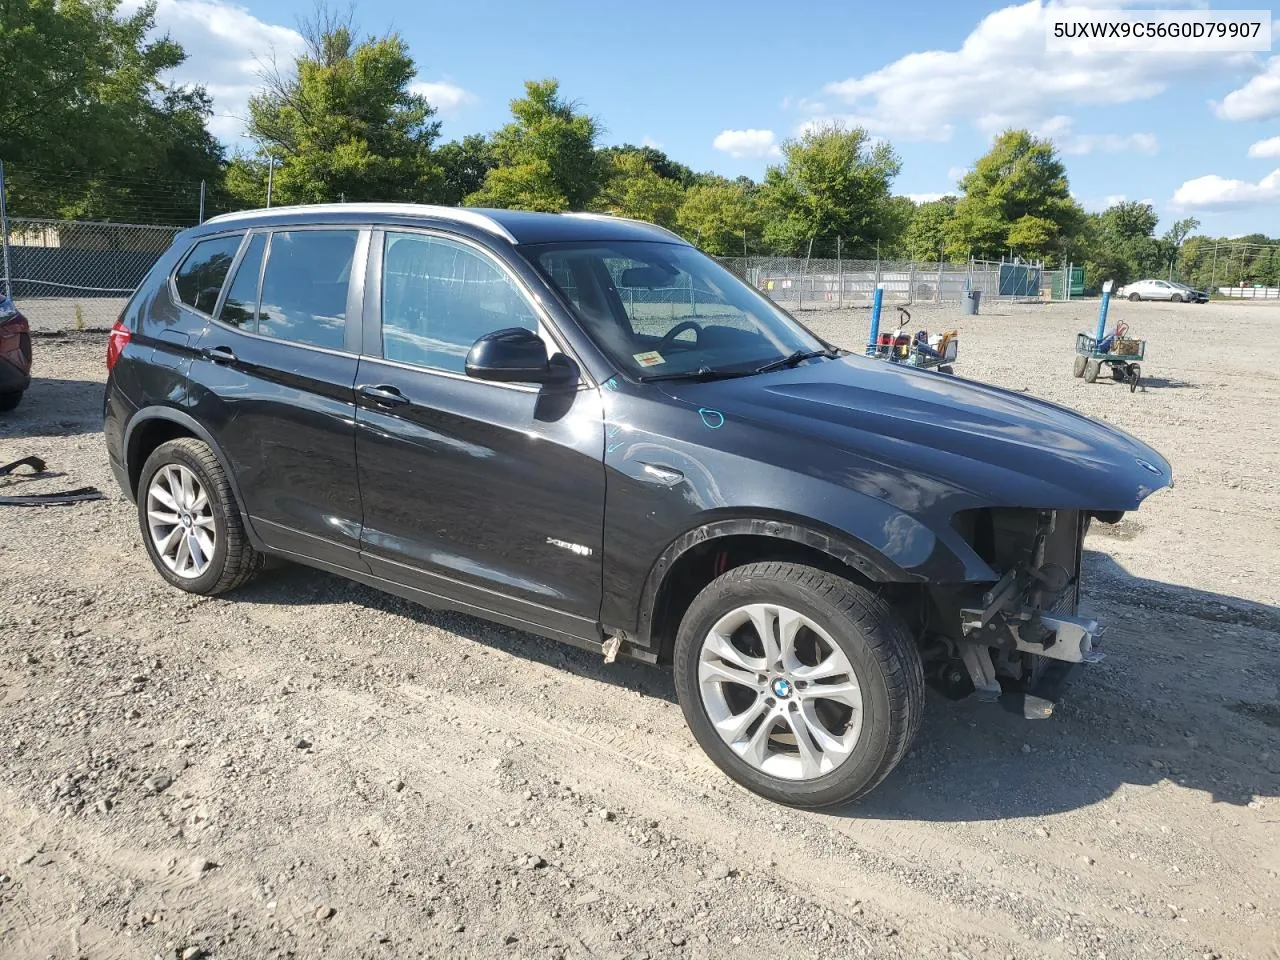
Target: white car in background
[[1155, 290]]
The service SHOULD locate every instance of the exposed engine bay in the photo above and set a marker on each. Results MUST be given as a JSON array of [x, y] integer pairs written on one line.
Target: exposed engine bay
[[1016, 639]]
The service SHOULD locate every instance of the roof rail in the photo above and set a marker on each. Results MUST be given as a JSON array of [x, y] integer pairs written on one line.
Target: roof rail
[[645, 223], [456, 214]]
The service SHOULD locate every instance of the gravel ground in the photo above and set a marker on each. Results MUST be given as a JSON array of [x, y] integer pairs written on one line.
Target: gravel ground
[[307, 767]]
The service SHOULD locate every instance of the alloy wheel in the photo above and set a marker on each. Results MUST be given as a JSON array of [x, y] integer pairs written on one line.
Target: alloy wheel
[[180, 521], [780, 692]]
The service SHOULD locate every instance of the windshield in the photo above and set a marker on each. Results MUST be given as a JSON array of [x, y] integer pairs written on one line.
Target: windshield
[[662, 309]]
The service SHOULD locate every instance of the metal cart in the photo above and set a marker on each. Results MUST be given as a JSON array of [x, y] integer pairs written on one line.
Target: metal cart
[[913, 350], [1118, 351]]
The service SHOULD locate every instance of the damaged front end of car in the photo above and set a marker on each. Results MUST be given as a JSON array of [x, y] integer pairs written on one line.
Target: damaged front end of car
[[1015, 640]]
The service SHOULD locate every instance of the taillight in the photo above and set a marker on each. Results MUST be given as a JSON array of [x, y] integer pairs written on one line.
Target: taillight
[[120, 336]]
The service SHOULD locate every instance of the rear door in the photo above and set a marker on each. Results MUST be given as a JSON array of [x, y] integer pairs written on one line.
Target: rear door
[[490, 494], [274, 382]]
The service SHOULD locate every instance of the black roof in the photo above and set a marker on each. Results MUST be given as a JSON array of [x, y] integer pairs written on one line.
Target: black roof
[[515, 226]]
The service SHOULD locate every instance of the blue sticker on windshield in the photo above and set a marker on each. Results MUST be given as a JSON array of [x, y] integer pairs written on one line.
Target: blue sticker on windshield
[[611, 383], [713, 419]]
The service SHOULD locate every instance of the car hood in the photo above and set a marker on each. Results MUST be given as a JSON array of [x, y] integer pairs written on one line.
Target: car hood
[[991, 446]]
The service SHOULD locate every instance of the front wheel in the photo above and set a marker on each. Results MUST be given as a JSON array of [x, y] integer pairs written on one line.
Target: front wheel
[[1091, 369], [1176, 298], [800, 685], [1135, 298], [190, 522], [10, 401]]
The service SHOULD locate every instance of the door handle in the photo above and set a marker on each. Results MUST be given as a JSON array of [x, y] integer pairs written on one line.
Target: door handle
[[383, 395], [220, 355]]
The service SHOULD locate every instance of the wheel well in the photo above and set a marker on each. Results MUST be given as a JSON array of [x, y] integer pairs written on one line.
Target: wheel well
[[143, 441], [698, 566]]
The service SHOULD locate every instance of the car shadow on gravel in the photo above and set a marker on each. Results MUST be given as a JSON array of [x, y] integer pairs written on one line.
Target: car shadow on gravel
[[297, 585], [55, 408], [972, 761]]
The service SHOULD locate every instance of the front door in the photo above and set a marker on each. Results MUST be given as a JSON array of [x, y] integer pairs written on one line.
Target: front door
[[491, 494]]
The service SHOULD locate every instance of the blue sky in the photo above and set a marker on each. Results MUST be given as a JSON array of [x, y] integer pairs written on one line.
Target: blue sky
[[719, 85]]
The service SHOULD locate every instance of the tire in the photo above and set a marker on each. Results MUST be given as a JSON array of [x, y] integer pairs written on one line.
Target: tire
[[1077, 365], [1135, 298], [1091, 369], [880, 663], [1118, 372], [1135, 376], [10, 401], [1176, 298], [232, 561], [946, 368]]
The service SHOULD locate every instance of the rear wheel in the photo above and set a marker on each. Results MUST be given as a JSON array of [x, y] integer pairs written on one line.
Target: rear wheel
[[10, 401], [1077, 365], [1091, 369], [1118, 372], [800, 685], [190, 522], [1134, 372]]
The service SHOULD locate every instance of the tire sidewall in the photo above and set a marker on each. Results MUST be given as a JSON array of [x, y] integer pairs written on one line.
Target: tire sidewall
[[164, 455], [864, 763]]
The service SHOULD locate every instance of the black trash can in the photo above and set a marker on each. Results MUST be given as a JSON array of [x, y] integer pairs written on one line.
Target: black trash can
[[971, 301]]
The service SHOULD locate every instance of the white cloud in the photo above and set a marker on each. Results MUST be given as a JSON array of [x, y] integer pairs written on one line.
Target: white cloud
[[747, 143], [1215, 191], [957, 173], [1060, 130], [1265, 149], [1003, 63], [226, 47], [924, 197], [1259, 99], [651, 143], [1110, 143], [444, 96]]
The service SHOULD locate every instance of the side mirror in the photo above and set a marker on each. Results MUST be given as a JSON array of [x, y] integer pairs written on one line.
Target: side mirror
[[515, 355]]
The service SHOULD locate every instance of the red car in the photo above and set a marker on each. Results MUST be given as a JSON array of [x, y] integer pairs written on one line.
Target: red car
[[15, 355]]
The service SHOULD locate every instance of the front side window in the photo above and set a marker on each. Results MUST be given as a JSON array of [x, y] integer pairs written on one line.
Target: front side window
[[439, 297], [199, 280], [662, 309], [304, 286]]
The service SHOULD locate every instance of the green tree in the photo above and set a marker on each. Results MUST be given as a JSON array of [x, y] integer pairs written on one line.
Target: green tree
[[1016, 196], [344, 124], [546, 157], [632, 188], [926, 235], [721, 217], [659, 162], [833, 182], [463, 166], [87, 124]]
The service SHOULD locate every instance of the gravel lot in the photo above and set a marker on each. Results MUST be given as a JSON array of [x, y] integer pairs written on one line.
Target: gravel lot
[[310, 768]]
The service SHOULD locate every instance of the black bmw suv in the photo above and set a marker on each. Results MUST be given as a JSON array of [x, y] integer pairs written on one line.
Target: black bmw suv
[[583, 427]]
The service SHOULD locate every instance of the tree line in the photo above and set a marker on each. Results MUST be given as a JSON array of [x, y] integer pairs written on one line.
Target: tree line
[[91, 130]]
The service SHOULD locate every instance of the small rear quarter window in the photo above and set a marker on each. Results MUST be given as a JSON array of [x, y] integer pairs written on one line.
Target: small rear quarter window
[[199, 280]]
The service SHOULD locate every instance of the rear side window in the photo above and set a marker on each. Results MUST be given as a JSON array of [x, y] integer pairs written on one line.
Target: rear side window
[[199, 280], [240, 309], [304, 287]]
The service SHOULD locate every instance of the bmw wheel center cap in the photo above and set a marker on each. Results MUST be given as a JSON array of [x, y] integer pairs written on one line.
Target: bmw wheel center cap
[[781, 688]]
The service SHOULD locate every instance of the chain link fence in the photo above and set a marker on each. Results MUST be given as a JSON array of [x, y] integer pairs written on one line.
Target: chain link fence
[[75, 275], [797, 283]]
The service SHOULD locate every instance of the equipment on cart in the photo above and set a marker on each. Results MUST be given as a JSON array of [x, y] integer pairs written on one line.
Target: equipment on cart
[[1122, 353], [936, 351]]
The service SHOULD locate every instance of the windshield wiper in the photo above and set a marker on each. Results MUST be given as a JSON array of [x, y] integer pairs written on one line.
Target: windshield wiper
[[702, 373], [798, 357]]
